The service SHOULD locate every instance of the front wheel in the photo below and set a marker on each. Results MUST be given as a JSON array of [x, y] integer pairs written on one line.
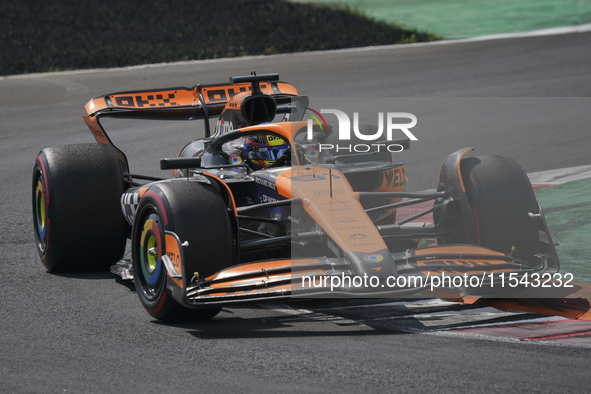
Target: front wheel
[[501, 198], [197, 215]]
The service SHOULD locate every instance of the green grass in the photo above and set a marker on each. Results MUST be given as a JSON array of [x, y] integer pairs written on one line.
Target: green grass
[[567, 209], [470, 18]]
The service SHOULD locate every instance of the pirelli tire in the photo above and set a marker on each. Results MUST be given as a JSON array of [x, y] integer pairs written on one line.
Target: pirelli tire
[[501, 198], [197, 214], [77, 217]]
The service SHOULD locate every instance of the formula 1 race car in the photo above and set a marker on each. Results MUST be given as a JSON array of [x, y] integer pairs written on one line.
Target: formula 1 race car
[[264, 208]]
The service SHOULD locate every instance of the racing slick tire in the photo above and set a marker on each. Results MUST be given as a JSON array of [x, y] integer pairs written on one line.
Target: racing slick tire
[[77, 216], [500, 196], [197, 214]]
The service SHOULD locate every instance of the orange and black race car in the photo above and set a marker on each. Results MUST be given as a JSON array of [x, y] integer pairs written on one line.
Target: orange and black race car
[[265, 209]]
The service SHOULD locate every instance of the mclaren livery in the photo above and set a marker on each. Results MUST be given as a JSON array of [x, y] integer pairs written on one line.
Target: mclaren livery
[[256, 211]]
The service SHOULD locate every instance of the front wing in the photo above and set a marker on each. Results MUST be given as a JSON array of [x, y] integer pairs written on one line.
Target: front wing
[[417, 270]]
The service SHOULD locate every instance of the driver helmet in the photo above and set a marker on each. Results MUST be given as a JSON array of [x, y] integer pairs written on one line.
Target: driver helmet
[[262, 150]]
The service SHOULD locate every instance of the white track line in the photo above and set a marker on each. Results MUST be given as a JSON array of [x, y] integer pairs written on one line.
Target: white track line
[[563, 175], [507, 323], [537, 33], [505, 339], [426, 302], [485, 311], [446, 332]]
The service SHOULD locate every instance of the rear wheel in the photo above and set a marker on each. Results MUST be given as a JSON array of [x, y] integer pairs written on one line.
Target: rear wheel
[[78, 223], [197, 215], [501, 196]]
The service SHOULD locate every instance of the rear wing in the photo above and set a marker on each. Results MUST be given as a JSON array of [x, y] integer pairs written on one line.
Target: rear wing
[[200, 102], [178, 103]]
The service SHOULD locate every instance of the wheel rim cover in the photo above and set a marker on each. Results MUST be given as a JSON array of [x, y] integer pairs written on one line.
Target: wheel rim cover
[[151, 263], [41, 217]]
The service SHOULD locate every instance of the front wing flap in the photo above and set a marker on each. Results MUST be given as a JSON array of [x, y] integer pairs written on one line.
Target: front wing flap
[[417, 270]]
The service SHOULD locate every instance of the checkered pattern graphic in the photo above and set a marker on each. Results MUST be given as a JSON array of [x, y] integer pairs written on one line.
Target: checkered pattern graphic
[[129, 202], [165, 101]]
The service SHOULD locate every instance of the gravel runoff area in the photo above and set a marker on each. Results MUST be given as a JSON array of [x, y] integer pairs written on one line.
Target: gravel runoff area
[[77, 34]]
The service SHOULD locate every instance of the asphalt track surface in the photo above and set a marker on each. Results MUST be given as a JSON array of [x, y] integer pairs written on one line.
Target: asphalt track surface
[[89, 333]]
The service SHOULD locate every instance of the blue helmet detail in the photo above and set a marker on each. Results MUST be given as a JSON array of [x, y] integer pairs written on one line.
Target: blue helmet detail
[[261, 151]]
